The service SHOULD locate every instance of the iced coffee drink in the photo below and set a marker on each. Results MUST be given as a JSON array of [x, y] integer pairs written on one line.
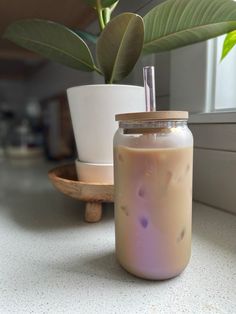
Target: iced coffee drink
[[153, 199]]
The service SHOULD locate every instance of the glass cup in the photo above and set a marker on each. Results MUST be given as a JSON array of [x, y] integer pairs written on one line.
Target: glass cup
[[153, 160]]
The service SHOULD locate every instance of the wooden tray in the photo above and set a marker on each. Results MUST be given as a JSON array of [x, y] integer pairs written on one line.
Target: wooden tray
[[64, 179]]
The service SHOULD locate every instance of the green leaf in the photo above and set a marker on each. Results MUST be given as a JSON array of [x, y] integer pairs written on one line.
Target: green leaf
[[53, 41], [86, 36], [229, 43], [177, 23], [119, 46]]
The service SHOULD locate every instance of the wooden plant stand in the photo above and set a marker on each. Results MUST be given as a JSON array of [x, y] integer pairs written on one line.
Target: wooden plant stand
[[64, 179]]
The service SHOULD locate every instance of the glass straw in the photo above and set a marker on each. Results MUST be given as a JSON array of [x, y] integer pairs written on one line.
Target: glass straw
[[149, 86]]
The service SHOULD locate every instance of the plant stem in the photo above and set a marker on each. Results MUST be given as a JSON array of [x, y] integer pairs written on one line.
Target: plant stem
[[112, 8], [97, 70], [100, 16], [106, 15]]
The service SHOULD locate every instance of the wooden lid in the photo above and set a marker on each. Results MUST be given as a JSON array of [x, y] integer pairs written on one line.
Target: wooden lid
[[153, 115]]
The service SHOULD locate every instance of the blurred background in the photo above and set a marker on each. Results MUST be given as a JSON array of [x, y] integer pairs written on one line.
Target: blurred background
[[35, 122], [34, 115]]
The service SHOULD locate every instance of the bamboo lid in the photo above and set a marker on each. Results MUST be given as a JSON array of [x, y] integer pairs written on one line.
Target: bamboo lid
[[153, 115]]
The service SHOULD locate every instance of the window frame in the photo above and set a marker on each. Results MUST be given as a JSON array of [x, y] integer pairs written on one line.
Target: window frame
[[192, 88]]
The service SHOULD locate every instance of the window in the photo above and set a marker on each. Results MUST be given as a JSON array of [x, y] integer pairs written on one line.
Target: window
[[200, 81], [206, 87], [224, 76]]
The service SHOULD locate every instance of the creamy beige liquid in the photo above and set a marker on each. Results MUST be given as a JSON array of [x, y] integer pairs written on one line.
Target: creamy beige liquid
[[153, 210]]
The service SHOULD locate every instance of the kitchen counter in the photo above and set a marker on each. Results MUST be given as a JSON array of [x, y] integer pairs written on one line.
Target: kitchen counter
[[53, 262]]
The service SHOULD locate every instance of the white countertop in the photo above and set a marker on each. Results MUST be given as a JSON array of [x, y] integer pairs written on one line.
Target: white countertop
[[53, 262]]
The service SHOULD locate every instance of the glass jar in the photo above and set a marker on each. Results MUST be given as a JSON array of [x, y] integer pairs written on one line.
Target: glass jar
[[153, 159]]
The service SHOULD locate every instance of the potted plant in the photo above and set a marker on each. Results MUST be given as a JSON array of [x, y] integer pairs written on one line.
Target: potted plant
[[121, 42]]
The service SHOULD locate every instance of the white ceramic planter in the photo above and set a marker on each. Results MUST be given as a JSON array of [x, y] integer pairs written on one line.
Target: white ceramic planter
[[93, 109], [91, 172]]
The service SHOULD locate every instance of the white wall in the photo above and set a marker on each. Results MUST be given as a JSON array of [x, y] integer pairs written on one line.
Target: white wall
[[189, 78], [55, 78]]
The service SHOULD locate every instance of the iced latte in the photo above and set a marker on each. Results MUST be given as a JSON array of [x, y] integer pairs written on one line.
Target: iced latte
[[153, 199]]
